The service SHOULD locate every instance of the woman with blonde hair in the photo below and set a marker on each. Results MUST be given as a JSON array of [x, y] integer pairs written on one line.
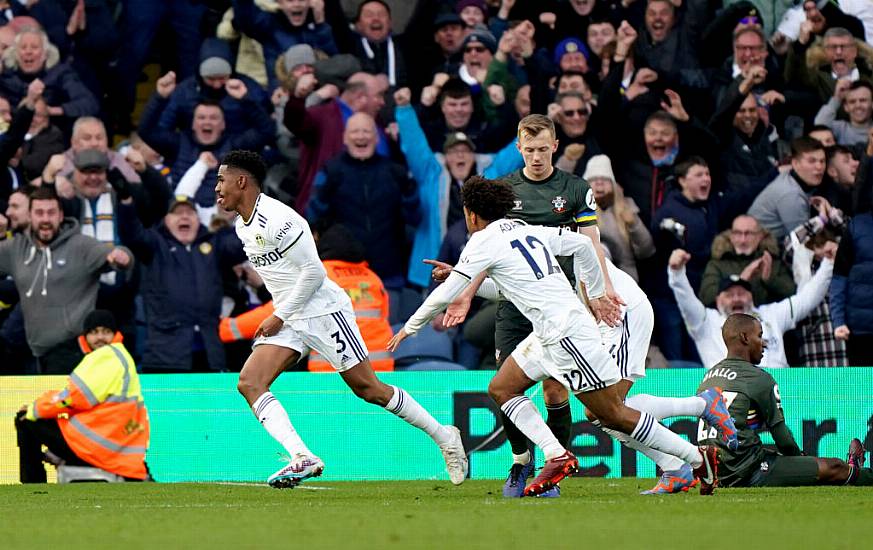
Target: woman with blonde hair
[[621, 229]]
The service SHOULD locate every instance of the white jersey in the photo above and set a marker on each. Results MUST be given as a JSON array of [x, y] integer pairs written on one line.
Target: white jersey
[[520, 260], [280, 247]]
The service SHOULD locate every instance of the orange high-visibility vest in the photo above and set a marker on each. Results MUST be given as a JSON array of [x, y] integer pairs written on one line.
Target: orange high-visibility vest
[[369, 300], [101, 412]]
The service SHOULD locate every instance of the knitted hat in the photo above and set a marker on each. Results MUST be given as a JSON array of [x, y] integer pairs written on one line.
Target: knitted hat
[[301, 54], [570, 45], [99, 318], [599, 166], [483, 35], [459, 7], [215, 66]]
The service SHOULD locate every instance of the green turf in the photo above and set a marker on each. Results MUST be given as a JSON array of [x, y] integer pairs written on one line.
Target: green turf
[[428, 514]]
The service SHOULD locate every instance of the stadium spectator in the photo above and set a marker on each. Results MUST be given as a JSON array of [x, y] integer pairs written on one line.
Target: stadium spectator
[[448, 36], [735, 296], [574, 127], [689, 219], [756, 406], [43, 139], [784, 203], [320, 128], [448, 106], [50, 263], [851, 293], [182, 286], [621, 229], [841, 61], [90, 133], [806, 244], [372, 196], [822, 134], [439, 178], [16, 218], [750, 252], [749, 50], [669, 44], [208, 132], [99, 419], [11, 141], [749, 143], [214, 81], [296, 22], [842, 185], [374, 43], [856, 99], [33, 56]]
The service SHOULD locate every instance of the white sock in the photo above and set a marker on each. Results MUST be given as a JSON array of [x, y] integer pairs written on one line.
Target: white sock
[[666, 462], [650, 433], [522, 459], [404, 406], [522, 412], [274, 418], [665, 407]]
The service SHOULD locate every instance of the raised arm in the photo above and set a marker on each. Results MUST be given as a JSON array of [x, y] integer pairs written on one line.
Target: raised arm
[[692, 309]]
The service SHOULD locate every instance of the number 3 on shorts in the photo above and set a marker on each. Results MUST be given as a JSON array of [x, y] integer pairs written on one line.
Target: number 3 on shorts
[[340, 343]]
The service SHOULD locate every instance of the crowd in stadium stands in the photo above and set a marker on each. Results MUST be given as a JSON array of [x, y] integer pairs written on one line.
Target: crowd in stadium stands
[[728, 145]]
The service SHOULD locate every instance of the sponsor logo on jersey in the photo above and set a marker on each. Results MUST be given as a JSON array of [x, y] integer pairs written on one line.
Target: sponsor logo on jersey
[[764, 466], [263, 260], [559, 204], [285, 228], [517, 205]]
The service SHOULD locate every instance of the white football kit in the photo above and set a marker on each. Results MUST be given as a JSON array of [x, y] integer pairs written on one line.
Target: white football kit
[[627, 343], [520, 261], [318, 314]]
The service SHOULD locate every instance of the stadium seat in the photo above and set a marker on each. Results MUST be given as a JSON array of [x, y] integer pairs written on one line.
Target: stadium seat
[[427, 344], [434, 365], [80, 474]]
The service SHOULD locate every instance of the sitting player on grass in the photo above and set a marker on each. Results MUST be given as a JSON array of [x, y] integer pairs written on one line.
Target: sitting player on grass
[[754, 403]]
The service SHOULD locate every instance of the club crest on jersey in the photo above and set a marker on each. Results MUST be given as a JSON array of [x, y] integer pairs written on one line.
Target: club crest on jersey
[[559, 203], [517, 205], [260, 240]]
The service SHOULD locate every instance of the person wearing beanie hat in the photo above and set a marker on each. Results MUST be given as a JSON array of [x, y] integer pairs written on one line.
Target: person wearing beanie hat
[[472, 12], [621, 229], [294, 23], [295, 56], [98, 420], [215, 68], [478, 47], [571, 54]]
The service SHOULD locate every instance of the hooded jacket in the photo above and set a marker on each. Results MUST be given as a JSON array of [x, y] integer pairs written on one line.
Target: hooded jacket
[[58, 284], [726, 262]]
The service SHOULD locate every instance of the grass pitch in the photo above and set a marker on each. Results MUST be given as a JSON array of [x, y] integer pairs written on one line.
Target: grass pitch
[[427, 514]]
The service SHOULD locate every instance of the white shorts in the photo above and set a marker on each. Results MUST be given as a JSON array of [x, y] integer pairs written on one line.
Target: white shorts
[[628, 343], [578, 361], [334, 336]]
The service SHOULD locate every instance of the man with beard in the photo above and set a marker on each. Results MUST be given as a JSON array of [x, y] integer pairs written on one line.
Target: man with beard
[[440, 177], [57, 273], [856, 99], [841, 61], [735, 296]]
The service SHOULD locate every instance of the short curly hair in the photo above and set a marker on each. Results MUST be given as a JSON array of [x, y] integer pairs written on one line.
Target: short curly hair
[[249, 162], [488, 199]]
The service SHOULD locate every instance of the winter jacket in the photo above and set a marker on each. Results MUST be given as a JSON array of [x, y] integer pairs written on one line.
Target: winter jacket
[[434, 181], [39, 149], [487, 137], [375, 199], [276, 34], [781, 206], [181, 149], [807, 67], [57, 284], [852, 285], [63, 88], [179, 111], [725, 262], [625, 252], [703, 220], [12, 178], [181, 289]]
